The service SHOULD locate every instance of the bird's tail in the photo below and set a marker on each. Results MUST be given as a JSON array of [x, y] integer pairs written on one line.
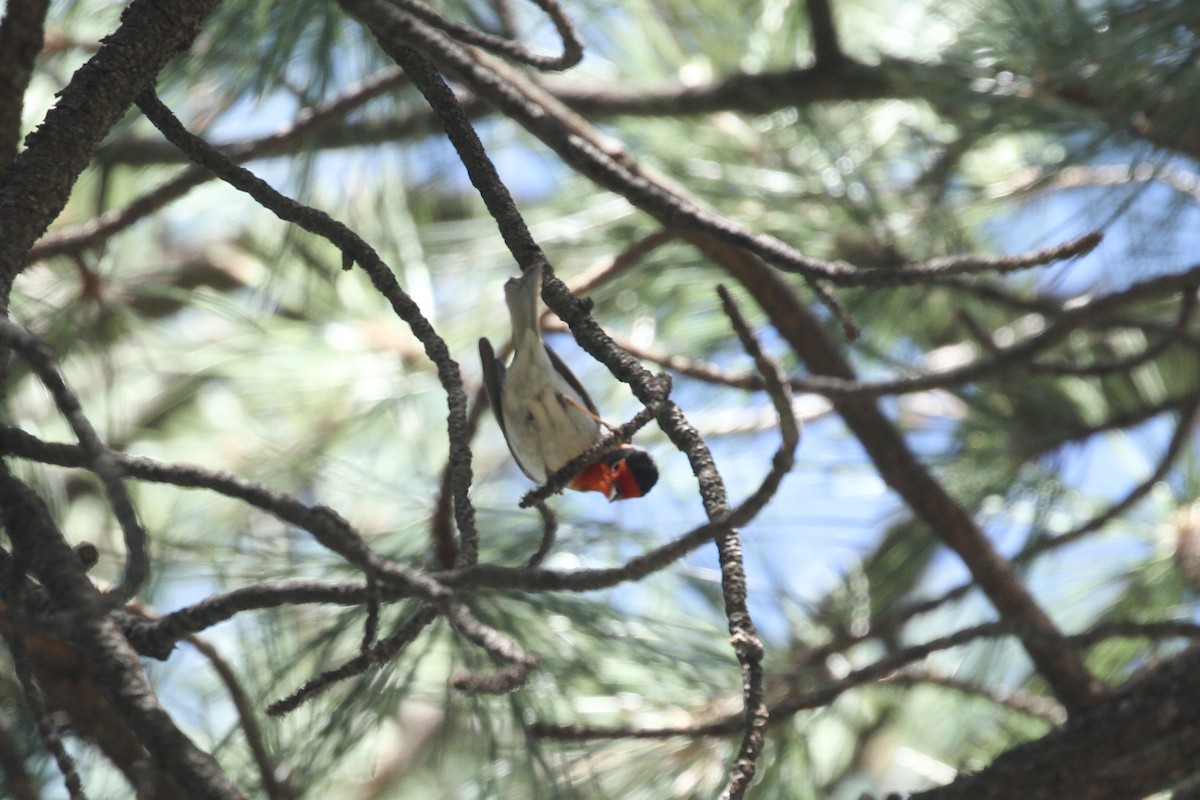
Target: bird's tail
[[522, 294]]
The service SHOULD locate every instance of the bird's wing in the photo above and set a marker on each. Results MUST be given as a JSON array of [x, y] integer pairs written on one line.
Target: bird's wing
[[493, 384], [493, 380], [570, 378]]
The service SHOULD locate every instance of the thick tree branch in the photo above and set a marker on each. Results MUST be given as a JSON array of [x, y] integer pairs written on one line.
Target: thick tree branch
[[21, 34], [111, 662], [35, 187], [1143, 739], [898, 466]]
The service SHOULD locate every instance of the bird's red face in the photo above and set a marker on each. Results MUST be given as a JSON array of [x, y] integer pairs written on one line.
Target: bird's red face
[[623, 474]]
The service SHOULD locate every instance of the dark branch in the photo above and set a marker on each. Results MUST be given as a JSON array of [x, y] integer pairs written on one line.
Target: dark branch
[[572, 47], [355, 250], [826, 47], [35, 187], [273, 788], [21, 34], [111, 662], [1143, 739], [309, 124], [899, 467], [381, 652], [100, 459]]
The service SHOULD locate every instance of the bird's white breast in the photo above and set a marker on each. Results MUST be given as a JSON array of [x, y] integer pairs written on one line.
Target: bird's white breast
[[544, 431]]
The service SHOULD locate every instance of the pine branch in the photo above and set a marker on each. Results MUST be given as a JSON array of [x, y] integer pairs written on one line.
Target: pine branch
[[100, 459], [309, 124], [899, 468], [1141, 740], [111, 663], [21, 35], [826, 46], [35, 187]]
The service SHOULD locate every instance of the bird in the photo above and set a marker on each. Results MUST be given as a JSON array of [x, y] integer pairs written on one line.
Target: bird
[[545, 414]]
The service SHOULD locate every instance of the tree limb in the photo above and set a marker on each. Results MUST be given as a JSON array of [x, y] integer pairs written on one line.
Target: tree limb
[[36, 185], [1142, 739], [21, 34], [898, 466]]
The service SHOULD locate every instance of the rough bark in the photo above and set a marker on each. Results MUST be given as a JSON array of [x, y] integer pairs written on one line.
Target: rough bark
[[1145, 738], [36, 185]]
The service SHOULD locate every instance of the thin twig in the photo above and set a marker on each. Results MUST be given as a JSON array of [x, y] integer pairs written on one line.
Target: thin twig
[[354, 250], [635, 183], [824, 32], [880, 670], [1045, 708], [946, 266], [23, 666], [572, 48], [827, 298], [549, 529], [380, 653], [101, 461], [608, 269], [371, 618], [309, 122], [272, 787], [781, 397], [506, 17]]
